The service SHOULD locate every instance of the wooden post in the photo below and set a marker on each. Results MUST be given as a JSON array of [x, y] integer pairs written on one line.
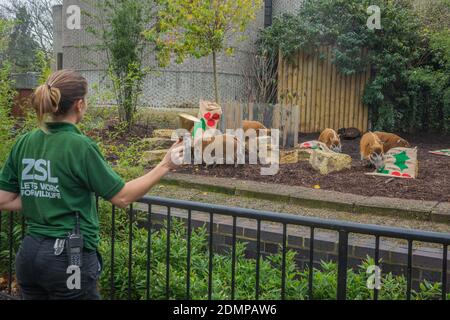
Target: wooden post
[[296, 126], [276, 118], [284, 123], [239, 114], [250, 111]]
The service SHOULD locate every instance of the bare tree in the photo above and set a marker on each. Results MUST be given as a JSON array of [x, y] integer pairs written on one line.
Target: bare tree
[[261, 79], [40, 12]]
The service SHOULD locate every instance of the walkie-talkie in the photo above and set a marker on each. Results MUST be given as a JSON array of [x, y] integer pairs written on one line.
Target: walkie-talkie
[[75, 245]]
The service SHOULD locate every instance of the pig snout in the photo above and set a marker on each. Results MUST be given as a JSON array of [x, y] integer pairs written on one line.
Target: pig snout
[[336, 148], [377, 160]]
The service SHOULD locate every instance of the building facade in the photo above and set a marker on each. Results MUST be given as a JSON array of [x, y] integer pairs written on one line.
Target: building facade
[[177, 84]]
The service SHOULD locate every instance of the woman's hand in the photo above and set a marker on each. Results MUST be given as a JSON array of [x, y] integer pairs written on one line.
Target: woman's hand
[[174, 156], [136, 189]]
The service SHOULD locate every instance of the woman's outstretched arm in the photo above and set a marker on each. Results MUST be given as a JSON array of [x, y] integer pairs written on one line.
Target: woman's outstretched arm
[[136, 189]]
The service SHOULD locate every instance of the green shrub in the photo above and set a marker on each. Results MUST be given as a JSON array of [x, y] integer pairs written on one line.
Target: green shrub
[[409, 56], [5, 240], [324, 278], [6, 122]]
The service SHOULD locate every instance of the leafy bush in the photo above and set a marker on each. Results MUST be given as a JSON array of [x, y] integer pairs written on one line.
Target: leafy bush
[[5, 240], [6, 93], [405, 56], [120, 24], [324, 277], [6, 122]]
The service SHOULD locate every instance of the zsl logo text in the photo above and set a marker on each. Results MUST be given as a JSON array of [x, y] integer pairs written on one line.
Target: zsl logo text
[[38, 170]]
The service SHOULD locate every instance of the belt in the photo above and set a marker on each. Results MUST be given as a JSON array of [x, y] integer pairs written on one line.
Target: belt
[[53, 240]]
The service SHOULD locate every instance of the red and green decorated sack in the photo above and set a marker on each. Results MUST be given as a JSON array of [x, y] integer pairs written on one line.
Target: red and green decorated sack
[[314, 145], [307, 149], [443, 152], [209, 115], [399, 163]]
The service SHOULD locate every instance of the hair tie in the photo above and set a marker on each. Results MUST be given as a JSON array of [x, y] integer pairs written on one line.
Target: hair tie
[[49, 87]]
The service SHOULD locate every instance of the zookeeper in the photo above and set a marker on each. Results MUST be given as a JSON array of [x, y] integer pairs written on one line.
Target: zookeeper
[[52, 175]]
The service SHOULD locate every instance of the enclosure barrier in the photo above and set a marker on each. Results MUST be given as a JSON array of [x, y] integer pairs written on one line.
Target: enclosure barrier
[[16, 227], [284, 117]]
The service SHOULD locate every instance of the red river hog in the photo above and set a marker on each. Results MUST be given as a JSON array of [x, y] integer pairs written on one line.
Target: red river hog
[[391, 140], [331, 139], [371, 148]]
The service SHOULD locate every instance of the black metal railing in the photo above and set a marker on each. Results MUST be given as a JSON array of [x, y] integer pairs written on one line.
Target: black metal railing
[[344, 229]]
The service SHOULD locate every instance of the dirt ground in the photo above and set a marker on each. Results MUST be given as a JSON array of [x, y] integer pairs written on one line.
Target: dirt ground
[[433, 182]]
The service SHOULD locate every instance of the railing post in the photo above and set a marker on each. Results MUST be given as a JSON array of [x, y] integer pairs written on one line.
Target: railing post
[[130, 251], [1, 217], [149, 250], [113, 243], [23, 227], [10, 252], [168, 253], [444, 272], [311, 265], [342, 266], [188, 257], [233, 260]]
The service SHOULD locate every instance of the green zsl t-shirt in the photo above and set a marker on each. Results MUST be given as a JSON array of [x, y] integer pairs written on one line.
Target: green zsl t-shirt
[[57, 174]]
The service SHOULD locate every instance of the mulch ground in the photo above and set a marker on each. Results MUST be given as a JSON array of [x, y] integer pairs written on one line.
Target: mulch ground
[[433, 182]]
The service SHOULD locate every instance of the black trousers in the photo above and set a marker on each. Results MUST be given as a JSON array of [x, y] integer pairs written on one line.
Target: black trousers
[[41, 275]]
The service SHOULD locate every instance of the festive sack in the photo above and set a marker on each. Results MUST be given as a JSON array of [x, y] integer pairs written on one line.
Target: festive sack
[[399, 163]]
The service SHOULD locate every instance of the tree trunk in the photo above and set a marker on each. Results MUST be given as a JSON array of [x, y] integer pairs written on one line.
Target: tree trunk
[[216, 84]]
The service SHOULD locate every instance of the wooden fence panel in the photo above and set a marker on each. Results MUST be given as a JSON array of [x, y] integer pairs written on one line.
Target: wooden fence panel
[[327, 99], [286, 118]]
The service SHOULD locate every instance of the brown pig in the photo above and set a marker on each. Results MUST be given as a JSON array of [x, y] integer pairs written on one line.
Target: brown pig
[[331, 139], [371, 148], [255, 125], [221, 142], [391, 140]]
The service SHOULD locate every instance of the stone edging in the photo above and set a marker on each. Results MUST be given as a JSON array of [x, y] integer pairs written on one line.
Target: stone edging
[[415, 209]]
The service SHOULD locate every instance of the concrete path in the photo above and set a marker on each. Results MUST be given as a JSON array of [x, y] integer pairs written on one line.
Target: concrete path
[[415, 209]]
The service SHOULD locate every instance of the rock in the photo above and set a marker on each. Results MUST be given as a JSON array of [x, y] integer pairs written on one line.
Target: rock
[[287, 157], [327, 162], [154, 157], [162, 133], [158, 143], [304, 154]]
